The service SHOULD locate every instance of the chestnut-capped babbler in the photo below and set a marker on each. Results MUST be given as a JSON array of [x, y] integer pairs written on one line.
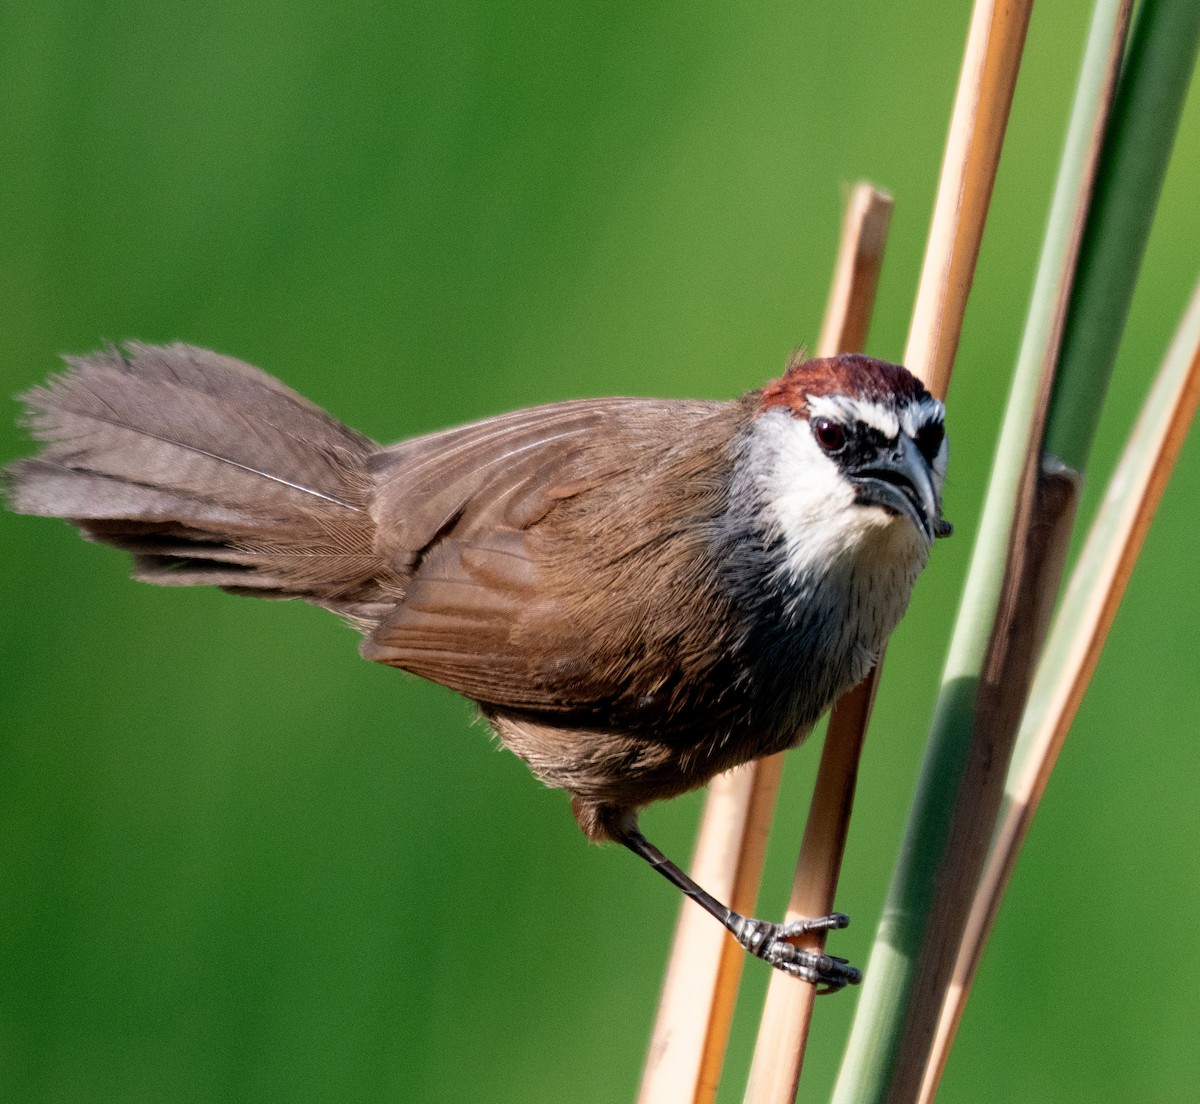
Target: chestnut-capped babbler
[[638, 593]]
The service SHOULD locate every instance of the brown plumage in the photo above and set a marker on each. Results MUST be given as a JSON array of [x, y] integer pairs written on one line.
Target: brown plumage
[[626, 587]]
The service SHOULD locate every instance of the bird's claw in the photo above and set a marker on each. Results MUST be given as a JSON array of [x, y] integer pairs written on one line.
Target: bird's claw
[[832, 922], [770, 942]]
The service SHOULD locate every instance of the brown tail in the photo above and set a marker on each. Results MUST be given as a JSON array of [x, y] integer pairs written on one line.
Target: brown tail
[[210, 472]]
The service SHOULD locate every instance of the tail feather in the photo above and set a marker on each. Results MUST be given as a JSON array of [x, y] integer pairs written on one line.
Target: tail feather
[[161, 433], [46, 489], [239, 384], [210, 472]]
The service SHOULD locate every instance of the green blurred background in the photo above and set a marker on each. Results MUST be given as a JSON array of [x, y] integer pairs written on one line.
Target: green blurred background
[[240, 864]]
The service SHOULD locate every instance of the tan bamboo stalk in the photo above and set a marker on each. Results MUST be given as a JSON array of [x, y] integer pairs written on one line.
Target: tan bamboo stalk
[[1089, 607], [977, 127], [787, 1013], [991, 61], [687, 1048], [1011, 585]]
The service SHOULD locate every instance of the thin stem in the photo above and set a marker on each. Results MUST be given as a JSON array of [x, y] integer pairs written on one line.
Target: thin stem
[[691, 1031], [985, 90], [783, 1033], [972, 156], [1073, 650], [687, 1048], [1010, 589], [856, 276], [1154, 81]]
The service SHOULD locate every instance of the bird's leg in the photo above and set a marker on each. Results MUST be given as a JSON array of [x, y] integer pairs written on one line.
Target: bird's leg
[[763, 939]]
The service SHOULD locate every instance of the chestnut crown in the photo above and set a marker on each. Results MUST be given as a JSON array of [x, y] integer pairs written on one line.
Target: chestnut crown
[[878, 425]]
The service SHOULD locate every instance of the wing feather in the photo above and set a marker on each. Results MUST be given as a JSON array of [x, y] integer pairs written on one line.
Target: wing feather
[[494, 607], [505, 471]]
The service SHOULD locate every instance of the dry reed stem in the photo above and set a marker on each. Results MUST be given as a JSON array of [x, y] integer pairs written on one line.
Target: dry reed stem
[[1037, 544], [694, 1014], [856, 275], [687, 1048], [985, 90], [787, 1013], [977, 127], [783, 1032], [1097, 585]]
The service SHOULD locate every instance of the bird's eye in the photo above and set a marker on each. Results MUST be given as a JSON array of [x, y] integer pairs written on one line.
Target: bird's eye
[[829, 434], [929, 439]]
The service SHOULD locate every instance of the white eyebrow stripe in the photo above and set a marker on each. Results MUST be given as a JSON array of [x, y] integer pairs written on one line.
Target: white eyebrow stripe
[[844, 409], [910, 418], [921, 413]]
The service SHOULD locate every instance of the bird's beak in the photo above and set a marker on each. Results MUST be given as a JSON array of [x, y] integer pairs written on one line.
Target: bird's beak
[[901, 483]]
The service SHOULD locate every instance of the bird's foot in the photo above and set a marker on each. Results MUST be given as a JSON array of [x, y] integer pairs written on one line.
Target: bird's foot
[[771, 942]]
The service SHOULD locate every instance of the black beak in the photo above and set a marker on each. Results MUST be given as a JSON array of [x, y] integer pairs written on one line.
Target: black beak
[[901, 483]]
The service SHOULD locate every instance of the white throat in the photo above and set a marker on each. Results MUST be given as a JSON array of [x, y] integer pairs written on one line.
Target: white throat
[[858, 562]]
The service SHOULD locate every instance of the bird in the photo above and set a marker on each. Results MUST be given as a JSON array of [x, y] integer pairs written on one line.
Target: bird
[[638, 594]]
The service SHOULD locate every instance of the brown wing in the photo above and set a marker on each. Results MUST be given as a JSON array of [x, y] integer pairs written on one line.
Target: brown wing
[[492, 521], [504, 471]]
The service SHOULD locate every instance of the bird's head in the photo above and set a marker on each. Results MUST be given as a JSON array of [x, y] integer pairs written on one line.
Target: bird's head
[[851, 450]]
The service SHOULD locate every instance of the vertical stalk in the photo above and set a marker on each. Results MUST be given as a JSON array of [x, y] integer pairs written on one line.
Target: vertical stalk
[[1017, 561], [691, 1032], [1073, 650], [977, 127]]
